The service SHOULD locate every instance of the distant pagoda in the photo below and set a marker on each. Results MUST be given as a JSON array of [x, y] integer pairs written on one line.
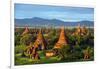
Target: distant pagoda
[[80, 30], [84, 30], [62, 39], [40, 42], [25, 31]]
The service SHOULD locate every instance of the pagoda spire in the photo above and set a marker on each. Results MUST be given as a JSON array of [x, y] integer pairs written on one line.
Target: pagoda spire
[[80, 30], [40, 42], [62, 39]]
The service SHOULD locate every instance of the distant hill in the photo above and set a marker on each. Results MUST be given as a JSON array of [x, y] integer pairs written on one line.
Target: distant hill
[[31, 22]]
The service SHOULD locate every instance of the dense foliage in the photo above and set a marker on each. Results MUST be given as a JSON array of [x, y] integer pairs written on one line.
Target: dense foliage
[[79, 47]]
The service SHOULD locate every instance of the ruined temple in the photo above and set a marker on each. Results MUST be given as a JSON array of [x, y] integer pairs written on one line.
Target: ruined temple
[[62, 39], [32, 52], [78, 30], [84, 30], [40, 42]]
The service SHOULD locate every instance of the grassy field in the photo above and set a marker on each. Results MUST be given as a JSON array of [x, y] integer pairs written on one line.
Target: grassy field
[[25, 60], [20, 60]]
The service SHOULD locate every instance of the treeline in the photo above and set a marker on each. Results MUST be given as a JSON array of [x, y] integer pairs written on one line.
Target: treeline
[[79, 47]]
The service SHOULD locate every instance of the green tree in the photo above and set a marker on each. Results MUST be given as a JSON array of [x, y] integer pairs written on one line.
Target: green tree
[[64, 52], [77, 53], [17, 39], [88, 53], [26, 39]]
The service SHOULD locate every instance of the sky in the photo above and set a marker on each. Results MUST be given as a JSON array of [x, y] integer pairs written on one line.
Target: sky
[[64, 13]]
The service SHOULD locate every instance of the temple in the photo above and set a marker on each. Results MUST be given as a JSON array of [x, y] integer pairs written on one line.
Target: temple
[[40, 42], [80, 30], [32, 52], [62, 39]]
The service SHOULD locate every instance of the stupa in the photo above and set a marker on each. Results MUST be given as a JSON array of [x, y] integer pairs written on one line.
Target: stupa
[[40, 42], [84, 30], [62, 39], [80, 30]]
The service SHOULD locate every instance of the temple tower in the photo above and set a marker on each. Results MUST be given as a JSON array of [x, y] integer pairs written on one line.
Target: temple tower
[[80, 30], [62, 39], [40, 42]]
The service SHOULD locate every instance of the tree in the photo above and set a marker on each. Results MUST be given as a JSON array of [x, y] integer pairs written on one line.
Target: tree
[[88, 53], [64, 52], [17, 39], [26, 39], [77, 53]]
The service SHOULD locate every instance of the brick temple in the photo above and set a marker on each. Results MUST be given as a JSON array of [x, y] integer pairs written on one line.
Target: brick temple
[[62, 39], [40, 42], [81, 30]]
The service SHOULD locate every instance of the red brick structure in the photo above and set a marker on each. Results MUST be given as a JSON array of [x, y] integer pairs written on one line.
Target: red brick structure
[[40, 42], [62, 39], [81, 30]]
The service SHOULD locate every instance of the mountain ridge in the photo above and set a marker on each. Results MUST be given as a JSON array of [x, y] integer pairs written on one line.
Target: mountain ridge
[[36, 21]]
